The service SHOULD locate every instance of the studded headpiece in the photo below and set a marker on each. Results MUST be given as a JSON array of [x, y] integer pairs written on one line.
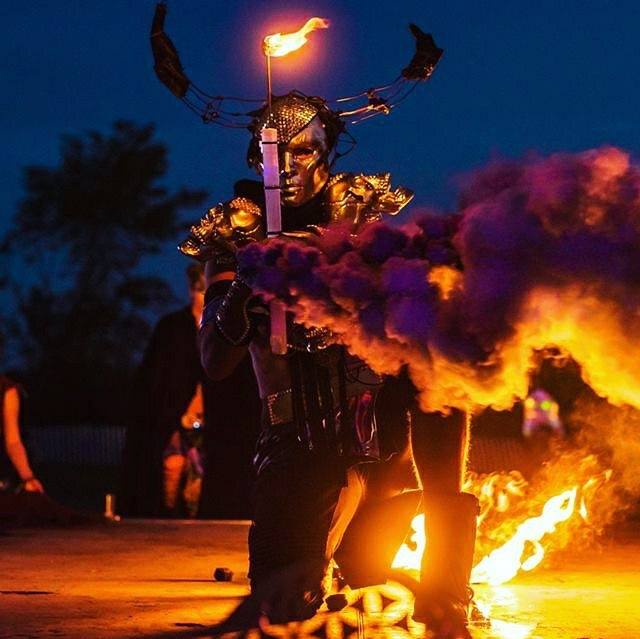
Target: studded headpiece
[[289, 114]]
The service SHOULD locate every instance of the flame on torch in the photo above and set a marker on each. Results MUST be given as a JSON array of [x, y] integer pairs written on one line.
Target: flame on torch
[[276, 46], [280, 44]]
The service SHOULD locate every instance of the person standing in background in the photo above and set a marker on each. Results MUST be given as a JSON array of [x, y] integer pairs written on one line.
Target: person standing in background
[[190, 441], [232, 406], [165, 394]]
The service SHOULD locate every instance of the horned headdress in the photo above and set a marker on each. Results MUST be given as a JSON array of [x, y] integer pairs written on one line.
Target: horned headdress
[[234, 112]]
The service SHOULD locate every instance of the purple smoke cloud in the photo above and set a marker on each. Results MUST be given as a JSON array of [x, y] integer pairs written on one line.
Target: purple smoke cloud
[[542, 252]]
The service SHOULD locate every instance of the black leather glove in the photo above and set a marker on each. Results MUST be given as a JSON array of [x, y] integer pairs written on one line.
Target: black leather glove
[[226, 305]]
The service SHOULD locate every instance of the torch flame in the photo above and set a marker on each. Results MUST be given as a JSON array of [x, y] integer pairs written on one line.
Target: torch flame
[[280, 44]]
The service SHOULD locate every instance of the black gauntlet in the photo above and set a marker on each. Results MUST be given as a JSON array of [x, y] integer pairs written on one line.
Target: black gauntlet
[[227, 307]]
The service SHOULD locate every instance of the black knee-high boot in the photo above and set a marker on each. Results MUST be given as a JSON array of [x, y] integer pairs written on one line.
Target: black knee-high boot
[[440, 450], [444, 597]]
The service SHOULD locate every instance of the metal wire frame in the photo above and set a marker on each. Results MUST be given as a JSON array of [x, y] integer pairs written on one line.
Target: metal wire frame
[[228, 111]]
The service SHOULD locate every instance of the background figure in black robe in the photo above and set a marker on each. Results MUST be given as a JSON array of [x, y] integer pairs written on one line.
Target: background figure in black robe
[[165, 385], [232, 407]]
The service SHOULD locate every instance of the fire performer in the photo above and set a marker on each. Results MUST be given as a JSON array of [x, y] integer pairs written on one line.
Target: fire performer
[[318, 402], [300, 471]]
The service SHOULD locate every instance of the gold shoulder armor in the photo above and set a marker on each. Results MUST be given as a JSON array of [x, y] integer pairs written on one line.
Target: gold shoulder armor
[[364, 198], [223, 228]]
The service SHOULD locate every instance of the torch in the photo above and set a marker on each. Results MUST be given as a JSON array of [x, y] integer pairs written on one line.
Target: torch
[[278, 45]]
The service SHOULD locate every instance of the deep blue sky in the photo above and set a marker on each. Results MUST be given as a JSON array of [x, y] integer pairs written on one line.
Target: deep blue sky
[[516, 76]]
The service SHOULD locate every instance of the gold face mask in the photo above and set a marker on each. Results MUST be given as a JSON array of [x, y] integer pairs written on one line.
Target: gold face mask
[[304, 165]]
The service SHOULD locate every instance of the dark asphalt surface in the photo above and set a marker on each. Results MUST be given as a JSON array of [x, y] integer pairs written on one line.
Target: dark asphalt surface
[[154, 579]]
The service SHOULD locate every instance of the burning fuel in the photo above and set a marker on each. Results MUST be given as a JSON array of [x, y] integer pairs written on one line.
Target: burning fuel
[[504, 562], [520, 524]]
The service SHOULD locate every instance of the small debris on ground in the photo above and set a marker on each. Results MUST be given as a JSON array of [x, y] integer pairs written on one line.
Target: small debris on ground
[[336, 602], [223, 574]]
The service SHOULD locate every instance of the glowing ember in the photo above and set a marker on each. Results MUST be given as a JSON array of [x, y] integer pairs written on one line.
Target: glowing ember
[[280, 44], [583, 510]]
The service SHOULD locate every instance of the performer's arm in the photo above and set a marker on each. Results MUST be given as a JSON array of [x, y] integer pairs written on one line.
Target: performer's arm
[[225, 328], [13, 442]]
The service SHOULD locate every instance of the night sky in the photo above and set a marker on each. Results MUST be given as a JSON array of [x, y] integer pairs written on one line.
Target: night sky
[[516, 76]]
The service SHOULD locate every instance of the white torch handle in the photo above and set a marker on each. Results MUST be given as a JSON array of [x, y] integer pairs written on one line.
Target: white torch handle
[[271, 177]]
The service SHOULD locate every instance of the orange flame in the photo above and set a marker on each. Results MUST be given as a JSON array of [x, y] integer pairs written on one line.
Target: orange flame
[[505, 562], [409, 555], [525, 546], [280, 44], [447, 280]]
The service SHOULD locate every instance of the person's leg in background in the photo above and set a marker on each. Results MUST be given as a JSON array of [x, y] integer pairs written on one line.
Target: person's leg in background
[[173, 467]]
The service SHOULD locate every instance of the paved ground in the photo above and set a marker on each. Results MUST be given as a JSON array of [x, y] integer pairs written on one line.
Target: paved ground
[[153, 579]]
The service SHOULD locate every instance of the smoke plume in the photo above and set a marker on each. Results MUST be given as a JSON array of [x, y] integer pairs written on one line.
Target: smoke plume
[[542, 252]]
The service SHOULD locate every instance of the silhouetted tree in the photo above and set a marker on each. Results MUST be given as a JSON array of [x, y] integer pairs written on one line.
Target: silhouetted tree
[[77, 238]]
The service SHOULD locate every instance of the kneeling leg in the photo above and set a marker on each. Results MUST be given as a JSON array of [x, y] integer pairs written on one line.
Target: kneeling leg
[[440, 445]]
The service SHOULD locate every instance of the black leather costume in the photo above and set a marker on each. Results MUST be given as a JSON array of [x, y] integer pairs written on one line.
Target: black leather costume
[[318, 414], [302, 457]]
